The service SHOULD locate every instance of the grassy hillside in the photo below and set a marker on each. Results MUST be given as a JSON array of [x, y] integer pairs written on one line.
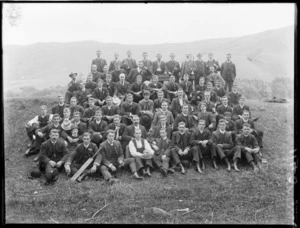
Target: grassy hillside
[[218, 197]]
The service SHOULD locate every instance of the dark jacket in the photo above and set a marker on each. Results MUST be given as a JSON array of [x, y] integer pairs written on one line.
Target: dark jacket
[[107, 155], [81, 154], [115, 75], [122, 89], [189, 121], [164, 147], [131, 78], [110, 112], [197, 136], [249, 141], [94, 127], [176, 139], [221, 109], [225, 140], [101, 95], [111, 87], [228, 71], [100, 63], [57, 152], [59, 109], [126, 108], [155, 67], [130, 130], [173, 67], [176, 107]]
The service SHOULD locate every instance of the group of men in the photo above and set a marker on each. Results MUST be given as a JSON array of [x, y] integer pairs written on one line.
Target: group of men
[[123, 116]]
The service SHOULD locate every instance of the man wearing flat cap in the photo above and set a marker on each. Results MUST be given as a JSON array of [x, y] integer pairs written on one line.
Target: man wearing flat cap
[[112, 64], [99, 62], [72, 87], [173, 67]]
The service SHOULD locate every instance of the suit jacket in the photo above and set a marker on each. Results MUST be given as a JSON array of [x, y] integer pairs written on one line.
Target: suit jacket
[[200, 68], [122, 128], [173, 67], [147, 66], [249, 141], [146, 106], [110, 112], [187, 87], [152, 86], [172, 86], [116, 73], [94, 127], [239, 125], [112, 64], [212, 63], [131, 78], [59, 109], [221, 109], [155, 66], [233, 98], [220, 91], [100, 63], [96, 76], [208, 117], [46, 130], [82, 96], [103, 75], [128, 65], [228, 71], [176, 138], [212, 77], [81, 154], [189, 121], [169, 115], [82, 128], [122, 89], [197, 136], [176, 107], [57, 152], [209, 106], [187, 67], [108, 157], [111, 87], [156, 132], [91, 85], [237, 110], [198, 94], [89, 113], [101, 95], [126, 108], [73, 86], [157, 103], [224, 139], [230, 126], [137, 87], [164, 147], [213, 96], [130, 130]]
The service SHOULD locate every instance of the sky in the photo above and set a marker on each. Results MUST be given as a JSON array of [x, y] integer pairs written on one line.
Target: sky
[[139, 23]]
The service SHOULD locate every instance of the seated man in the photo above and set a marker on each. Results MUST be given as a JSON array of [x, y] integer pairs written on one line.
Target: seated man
[[100, 93], [184, 117], [110, 85], [105, 73], [119, 129], [201, 143], [74, 107], [37, 122], [59, 108], [80, 155], [73, 139], [140, 149], [220, 91], [97, 128], [153, 87], [109, 110], [224, 107], [180, 147], [155, 130], [89, 112], [128, 109], [116, 73], [90, 84], [247, 144], [177, 103], [146, 110], [131, 129], [212, 76], [67, 115], [53, 155], [162, 152], [165, 112], [210, 106], [122, 87], [137, 89], [95, 74], [233, 97], [159, 66], [81, 126], [132, 76], [210, 119], [230, 125], [213, 96], [72, 87], [187, 86], [198, 94], [113, 158], [171, 88], [238, 109], [82, 95], [245, 119], [222, 145]]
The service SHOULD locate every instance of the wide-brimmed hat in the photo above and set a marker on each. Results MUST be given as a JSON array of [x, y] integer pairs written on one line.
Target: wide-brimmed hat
[[66, 124], [72, 73]]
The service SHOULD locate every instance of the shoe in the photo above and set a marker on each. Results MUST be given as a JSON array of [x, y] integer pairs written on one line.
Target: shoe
[[198, 169], [171, 171], [163, 172], [235, 167], [215, 165], [81, 178], [203, 165], [144, 172], [36, 158], [255, 119], [148, 173], [255, 168], [228, 168], [182, 169], [137, 177]]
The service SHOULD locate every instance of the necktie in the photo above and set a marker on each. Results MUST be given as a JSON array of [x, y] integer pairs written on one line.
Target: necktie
[[117, 132]]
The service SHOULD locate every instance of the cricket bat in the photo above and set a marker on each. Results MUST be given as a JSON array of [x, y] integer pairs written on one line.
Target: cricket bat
[[84, 166]]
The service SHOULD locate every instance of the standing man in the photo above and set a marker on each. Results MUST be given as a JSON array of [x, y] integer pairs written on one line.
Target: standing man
[[147, 66], [95, 74], [129, 63], [159, 66], [200, 69], [113, 63], [188, 67], [173, 67], [72, 87], [99, 62], [228, 73], [212, 62]]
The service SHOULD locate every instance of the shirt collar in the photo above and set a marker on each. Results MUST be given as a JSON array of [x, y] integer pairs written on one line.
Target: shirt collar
[[222, 132]]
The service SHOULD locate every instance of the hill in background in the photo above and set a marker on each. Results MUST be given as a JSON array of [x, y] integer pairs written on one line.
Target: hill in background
[[263, 56]]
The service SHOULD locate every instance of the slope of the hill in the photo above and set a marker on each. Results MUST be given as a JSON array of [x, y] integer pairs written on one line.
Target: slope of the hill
[[263, 55]]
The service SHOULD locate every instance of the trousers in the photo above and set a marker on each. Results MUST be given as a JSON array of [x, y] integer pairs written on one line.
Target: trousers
[[128, 162]]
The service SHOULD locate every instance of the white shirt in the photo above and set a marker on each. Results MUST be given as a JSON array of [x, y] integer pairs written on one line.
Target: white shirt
[[98, 121], [181, 101], [222, 132], [133, 150], [35, 119]]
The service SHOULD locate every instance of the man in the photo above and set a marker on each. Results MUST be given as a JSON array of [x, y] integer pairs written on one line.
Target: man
[[100, 93], [99, 62], [159, 66], [116, 72], [238, 109], [185, 118], [211, 62], [131, 129], [188, 67], [113, 63], [154, 86], [230, 125], [200, 69], [245, 119], [162, 124], [59, 108], [171, 88], [72, 87], [132, 76], [247, 144], [119, 129], [82, 153], [210, 119], [165, 112], [178, 102], [228, 72], [224, 107], [213, 96], [105, 73], [95, 74], [213, 76], [82, 95], [141, 151], [198, 94], [73, 139], [187, 86], [89, 84], [147, 67], [122, 87], [210, 106], [223, 146], [53, 155], [128, 109], [180, 147], [234, 96], [173, 67], [220, 91], [109, 110], [113, 158], [110, 85], [146, 110], [89, 112], [162, 153], [137, 89], [81, 126], [201, 143], [97, 128], [129, 63], [157, 102], [74, 107]]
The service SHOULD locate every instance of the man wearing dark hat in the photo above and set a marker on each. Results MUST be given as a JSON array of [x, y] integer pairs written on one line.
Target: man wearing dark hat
[[113, 63], [200, 69], [100, 63], [53, 155], [212, 62], [146, 110], [95, 74], [97, 128], [82, 153], [173, 67], [228, 72], [159, 66], [147, 66], [129, 63], [109, 110], [188, 67], [72, 87], [128, 109]]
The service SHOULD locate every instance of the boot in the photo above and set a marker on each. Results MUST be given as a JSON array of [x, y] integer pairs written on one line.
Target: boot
[[202, 164], [81, 178], [235, 166], [228, 164], [148, 172], [198, 168], [136, 176], [163, 171], [215, 164], [182, 169]]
